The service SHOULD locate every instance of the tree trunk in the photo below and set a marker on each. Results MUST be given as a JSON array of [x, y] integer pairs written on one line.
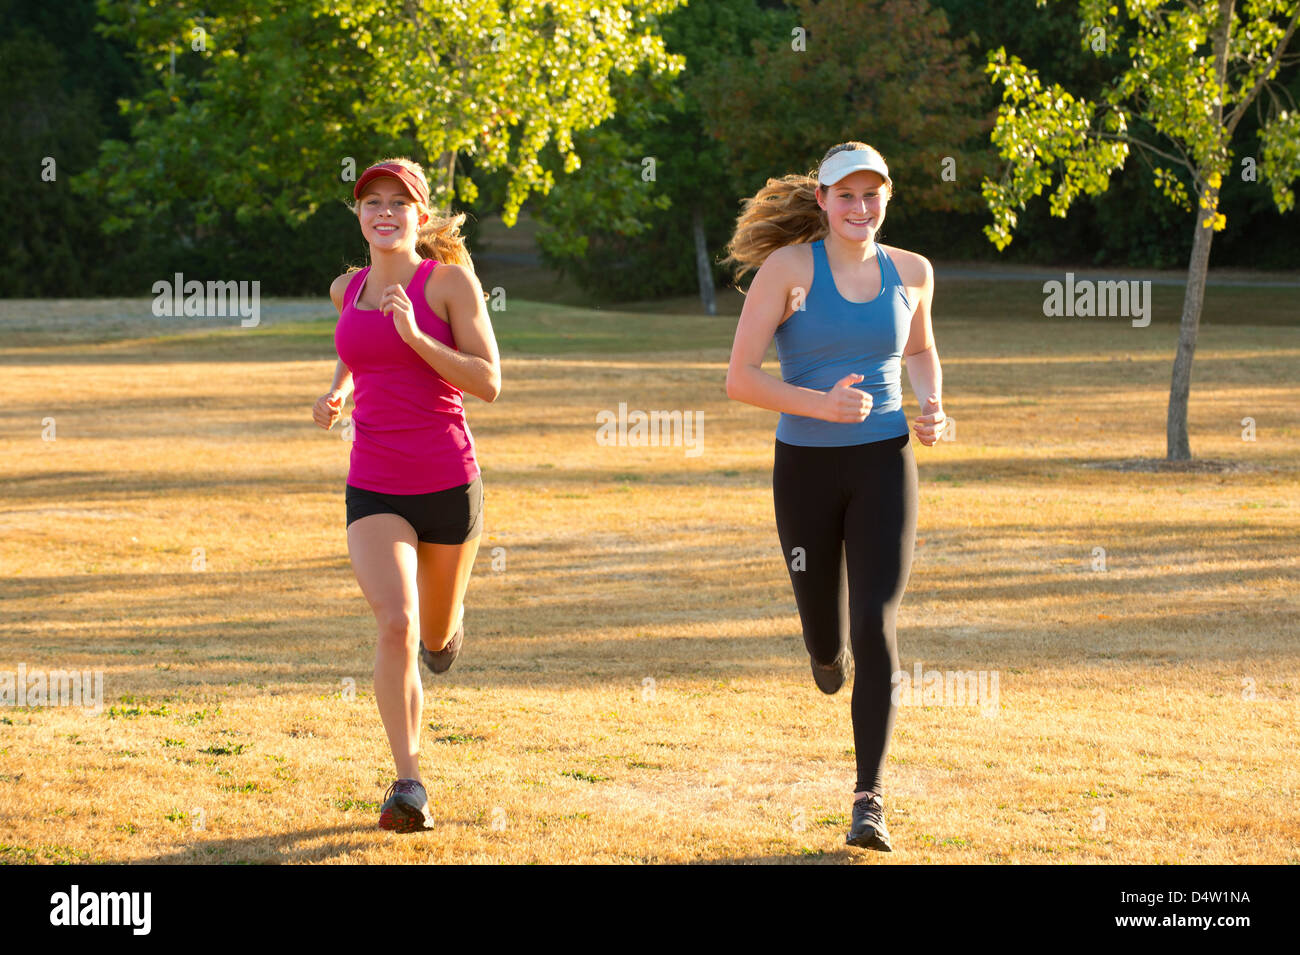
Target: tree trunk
[[1177, 446], [702, 267]]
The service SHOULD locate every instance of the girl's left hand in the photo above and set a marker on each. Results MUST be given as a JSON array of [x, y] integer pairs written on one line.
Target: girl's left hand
[[930, 425], [396, 302]]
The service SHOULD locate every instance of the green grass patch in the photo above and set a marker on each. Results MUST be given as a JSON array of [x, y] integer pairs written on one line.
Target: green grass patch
[[135, 711], [832, 819], [585, 777], [193, 719], [221, 749], [348, 804], [248, 787]]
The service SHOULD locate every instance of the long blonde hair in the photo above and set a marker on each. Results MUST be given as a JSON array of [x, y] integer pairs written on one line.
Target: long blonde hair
[[783, 212], [440, 237]]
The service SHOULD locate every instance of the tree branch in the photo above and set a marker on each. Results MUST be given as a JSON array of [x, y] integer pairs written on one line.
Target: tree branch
[[1143, 144], [1222, 36], [1235, 116]]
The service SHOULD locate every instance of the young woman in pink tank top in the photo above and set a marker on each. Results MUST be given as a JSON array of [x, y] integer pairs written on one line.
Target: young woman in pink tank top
[[413, 336]]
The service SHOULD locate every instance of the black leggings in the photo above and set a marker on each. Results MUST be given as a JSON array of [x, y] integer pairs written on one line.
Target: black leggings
[[846, 517]]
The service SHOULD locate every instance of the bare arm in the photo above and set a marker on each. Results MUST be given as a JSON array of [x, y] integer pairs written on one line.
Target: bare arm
[[926, 376], [474, 366], [342, 383], [766, 304], [329, 406], [922, 357]]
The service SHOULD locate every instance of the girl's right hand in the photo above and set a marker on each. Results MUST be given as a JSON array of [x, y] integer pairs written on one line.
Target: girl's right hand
[[328, 410], [844, 403]]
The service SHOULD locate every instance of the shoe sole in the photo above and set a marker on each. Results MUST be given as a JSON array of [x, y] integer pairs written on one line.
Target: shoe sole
[[402, 818], [870, 839]]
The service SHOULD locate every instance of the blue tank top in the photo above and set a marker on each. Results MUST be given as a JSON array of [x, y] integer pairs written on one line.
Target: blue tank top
[[833, 337]]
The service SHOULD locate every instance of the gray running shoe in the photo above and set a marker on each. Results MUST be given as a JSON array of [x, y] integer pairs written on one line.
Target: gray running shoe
[[868, 829], [831, 677], [406, 807]]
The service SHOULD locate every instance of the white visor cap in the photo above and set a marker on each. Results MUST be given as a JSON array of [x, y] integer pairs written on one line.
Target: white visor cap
[[848, 161]]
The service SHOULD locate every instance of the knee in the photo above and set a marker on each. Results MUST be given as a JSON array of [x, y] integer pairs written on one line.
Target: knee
[[877, 612], [873, 635], [397, 627], [870, 623]]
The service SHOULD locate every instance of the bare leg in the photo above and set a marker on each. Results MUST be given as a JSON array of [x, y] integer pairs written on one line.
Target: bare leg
[[443, 577], [385, 561]]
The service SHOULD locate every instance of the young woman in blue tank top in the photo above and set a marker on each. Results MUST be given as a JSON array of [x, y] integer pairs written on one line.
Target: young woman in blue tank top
[[843, 311]]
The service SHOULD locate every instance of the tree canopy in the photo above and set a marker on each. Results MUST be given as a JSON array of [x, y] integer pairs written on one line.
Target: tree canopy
[[256, 92]]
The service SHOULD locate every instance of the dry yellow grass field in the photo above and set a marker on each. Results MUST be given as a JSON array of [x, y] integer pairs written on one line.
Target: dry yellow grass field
[[633, 687]]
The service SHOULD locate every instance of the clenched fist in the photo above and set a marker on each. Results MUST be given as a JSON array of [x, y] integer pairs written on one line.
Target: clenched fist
[[328, 409], [929, 426], [844, 403]]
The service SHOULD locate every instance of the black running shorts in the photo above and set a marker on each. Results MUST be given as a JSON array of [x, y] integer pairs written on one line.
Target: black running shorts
[[453, 516]]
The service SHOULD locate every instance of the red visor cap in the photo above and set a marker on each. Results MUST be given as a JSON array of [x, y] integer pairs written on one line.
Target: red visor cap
[[395, 171]]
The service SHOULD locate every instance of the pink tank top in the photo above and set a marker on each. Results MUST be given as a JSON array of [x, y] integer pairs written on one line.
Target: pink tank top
[[409, 430]]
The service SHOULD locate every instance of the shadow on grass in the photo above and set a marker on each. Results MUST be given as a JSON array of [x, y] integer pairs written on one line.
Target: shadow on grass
[[288, 848], [281, 848], [261, 662], [843, 856], [104, 486], [115, 486], [548, 620]]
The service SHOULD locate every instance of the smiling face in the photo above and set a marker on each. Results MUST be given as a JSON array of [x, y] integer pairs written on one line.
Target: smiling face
[[855, 206], [390, 219]]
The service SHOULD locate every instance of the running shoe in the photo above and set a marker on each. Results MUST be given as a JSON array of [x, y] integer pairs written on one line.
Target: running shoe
[[831, 676], [406, 807], [440, 661], [868, 829]]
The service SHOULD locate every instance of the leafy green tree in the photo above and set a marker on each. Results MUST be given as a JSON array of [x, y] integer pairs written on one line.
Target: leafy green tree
[[883, 71], [58, 83], [1131, 223], [1194, 70], [654, 195], [267, 104], [47, 132], [765, 93]]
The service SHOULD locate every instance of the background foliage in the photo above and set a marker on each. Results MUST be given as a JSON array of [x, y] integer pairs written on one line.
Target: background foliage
[[203, 189]]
